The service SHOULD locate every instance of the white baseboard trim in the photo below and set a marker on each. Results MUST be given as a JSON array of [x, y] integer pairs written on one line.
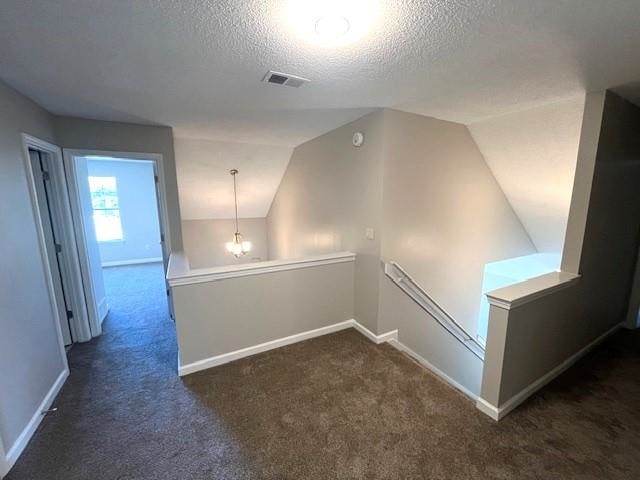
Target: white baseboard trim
[[281, 342], [385, 337], [499, 412], [135, 261], [263, 347], [488, 409], [21, 442], [103, 309], [425, 363]]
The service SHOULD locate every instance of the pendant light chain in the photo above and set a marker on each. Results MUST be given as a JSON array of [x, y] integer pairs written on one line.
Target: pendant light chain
[[235, 195]]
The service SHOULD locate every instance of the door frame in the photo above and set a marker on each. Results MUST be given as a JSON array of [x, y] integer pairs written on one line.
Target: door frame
[[79, 325], [70, 154], [4, 466], [632, 320]]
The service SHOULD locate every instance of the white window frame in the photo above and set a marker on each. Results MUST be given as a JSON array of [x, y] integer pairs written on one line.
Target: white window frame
[[122, 236]]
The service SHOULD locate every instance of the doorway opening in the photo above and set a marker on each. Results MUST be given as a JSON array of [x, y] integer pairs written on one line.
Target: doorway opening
[[118, 209], [99, 216]]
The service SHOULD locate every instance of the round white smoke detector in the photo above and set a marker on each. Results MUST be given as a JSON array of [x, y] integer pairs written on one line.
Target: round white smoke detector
[[358, 139]]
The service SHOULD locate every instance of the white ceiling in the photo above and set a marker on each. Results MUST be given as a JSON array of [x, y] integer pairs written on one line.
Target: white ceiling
[[533, 155], [196, 65], [206, 187]]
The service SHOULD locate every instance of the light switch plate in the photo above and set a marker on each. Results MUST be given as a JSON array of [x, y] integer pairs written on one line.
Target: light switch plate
[[370, 233]]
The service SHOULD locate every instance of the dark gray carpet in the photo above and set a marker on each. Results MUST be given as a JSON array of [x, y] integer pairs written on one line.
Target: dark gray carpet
[[332, 407]]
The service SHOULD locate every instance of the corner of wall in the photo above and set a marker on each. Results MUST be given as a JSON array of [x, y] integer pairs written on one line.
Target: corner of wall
[[89, 134], [585, 167]]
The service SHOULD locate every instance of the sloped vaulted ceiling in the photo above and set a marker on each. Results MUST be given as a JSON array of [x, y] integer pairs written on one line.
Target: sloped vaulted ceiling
[[532, 155], [206, 187]]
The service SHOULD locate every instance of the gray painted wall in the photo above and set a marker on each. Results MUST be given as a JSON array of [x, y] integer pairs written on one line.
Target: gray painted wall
[[436, 209], [445, 215], [215, 317], [603, 241], [330, 193], [441, 214], [612, 231], [424, 336], [138, 210], [205, 241], [81, 133], [444, 218], [30, 358]]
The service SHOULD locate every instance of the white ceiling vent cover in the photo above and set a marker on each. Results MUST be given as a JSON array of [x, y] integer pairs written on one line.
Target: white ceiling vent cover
[[279, 78]]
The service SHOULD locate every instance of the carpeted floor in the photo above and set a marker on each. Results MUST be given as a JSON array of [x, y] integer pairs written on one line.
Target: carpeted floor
[[335, 407]]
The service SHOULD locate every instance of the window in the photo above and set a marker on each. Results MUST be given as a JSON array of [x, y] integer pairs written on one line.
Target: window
[[106, 210]]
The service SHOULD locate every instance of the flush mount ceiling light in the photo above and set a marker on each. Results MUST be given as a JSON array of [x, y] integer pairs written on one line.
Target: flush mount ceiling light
[[332, 23], [237, 247], [332, 27]]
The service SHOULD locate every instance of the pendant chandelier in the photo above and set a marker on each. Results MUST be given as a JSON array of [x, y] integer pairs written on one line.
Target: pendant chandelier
[[237, 247]]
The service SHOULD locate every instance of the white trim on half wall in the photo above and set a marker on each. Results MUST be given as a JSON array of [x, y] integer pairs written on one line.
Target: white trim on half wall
[[180, 273]]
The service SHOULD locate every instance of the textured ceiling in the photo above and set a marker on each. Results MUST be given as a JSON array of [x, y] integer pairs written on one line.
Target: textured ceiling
[[206, 187], [196, 65], [533, 155]]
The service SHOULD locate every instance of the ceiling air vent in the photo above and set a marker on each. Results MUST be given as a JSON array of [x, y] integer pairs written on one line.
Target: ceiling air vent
[[284, 79]]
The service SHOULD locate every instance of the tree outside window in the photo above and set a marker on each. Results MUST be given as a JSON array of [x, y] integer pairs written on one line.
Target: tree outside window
[[106, 210]]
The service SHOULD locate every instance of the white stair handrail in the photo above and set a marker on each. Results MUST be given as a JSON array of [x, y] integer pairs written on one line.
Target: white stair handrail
[[408, 285]]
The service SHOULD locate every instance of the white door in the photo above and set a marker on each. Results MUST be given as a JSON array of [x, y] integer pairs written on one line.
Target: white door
[[90, 261]]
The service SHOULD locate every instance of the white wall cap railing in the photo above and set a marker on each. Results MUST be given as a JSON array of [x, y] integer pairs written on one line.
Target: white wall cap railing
[[180, 273], [521, 293], [178, 264]]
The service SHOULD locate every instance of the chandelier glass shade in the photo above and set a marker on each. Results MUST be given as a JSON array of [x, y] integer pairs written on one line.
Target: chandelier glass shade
[[237, 246]]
